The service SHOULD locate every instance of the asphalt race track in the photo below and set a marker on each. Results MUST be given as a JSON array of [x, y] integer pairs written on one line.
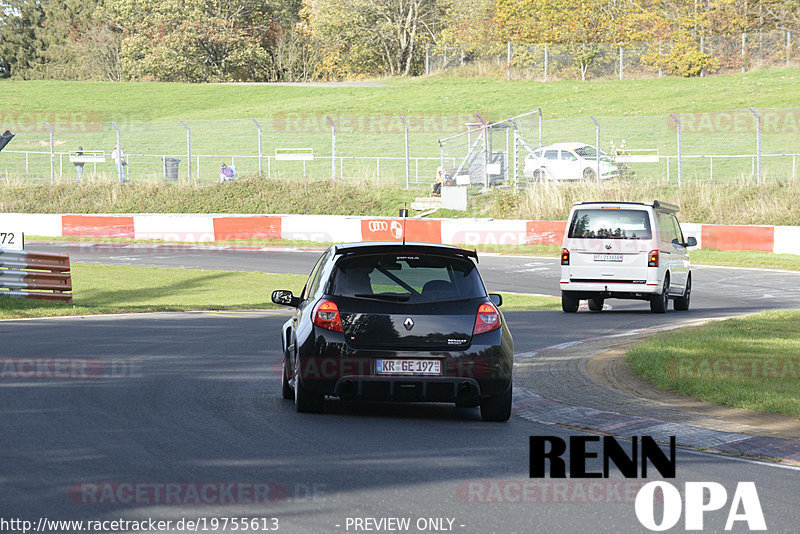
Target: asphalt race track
[[162, 405]]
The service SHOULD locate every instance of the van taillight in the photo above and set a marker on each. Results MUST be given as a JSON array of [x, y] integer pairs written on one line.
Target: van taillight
[[564, 256], [488, 319], [652, 259], [326, 315]]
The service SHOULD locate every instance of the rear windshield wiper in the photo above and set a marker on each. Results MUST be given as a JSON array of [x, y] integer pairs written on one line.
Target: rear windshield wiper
[[384, 296]]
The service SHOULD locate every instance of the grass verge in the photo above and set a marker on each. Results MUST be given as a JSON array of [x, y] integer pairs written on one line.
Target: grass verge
[[751, 363], [746, 258], [103, 289]]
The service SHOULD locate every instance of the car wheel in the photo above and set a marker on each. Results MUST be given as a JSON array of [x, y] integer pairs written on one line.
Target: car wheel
[[660, 303], [286, 388], [596, 304], [538, 175], [569, 302], [589, 174], [682, 304], [498, 407], [306, 401]]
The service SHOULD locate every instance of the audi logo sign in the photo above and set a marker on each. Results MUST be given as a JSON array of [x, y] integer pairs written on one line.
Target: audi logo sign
[[395, 228], [378, 226]]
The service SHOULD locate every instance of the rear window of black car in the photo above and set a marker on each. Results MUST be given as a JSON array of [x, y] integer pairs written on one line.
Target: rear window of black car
[[407, 278]]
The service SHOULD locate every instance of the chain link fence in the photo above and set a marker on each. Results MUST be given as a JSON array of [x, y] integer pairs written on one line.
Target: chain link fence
[[758, 144], [609, 60]]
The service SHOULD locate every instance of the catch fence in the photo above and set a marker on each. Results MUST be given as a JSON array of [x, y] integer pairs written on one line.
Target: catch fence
[[752, 143]]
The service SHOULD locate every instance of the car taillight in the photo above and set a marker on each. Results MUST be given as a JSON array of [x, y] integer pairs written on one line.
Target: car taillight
[[488, 319], [326, 315], [652, 259], [564, 256]]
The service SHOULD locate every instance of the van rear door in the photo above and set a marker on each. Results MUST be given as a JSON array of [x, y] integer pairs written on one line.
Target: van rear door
[[609, 244]]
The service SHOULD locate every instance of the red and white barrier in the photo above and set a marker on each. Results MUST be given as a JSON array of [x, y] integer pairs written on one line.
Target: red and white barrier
[[199, 228]]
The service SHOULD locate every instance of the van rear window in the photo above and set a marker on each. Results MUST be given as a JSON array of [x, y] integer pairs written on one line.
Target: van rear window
[[610, 224]]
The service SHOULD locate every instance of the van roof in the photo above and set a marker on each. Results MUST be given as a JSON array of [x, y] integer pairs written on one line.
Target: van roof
[[664, 206]]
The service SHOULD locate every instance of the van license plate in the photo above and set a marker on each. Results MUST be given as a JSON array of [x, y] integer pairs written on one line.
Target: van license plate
[[408, 367], [608, 257]]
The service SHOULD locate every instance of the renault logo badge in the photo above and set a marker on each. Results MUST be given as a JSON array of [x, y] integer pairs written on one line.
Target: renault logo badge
[[408, 323]]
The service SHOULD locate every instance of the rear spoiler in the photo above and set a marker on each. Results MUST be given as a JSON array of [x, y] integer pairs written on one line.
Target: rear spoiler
[[391, 247], [656, 204]]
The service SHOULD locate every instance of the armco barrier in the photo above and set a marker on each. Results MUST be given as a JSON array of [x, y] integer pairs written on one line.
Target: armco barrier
[[35, 276], [198, 228]]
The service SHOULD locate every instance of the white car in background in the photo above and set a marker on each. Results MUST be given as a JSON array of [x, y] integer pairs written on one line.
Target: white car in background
[[568, 162]]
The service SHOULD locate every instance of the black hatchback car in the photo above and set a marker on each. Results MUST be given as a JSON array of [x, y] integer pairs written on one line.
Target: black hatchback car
[[397, 322]]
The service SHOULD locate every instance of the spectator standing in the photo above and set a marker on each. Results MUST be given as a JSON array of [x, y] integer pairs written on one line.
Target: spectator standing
[[119, 159], [79, 164]]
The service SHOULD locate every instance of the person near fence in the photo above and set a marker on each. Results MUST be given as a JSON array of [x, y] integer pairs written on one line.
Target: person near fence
[[119, 159], [79, 164], [227, 173]]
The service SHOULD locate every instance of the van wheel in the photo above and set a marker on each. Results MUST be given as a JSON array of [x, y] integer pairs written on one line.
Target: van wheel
[[682, 303], [569, 302], [596, 304], [660, 303], [589, 174]]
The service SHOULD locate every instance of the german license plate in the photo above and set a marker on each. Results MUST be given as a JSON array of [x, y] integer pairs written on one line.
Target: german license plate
[[608, 257], [408, 367]]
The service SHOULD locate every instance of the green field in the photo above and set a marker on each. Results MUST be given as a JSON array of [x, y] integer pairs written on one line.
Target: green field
[[750, 362], [100, 289], [631, 112], [149, 101]]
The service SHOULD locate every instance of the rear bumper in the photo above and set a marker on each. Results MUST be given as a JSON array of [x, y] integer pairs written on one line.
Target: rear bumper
[[411, 389], [612, 289]]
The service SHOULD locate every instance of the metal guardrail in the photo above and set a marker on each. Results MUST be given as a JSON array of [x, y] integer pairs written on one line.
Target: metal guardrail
[[34, 275]]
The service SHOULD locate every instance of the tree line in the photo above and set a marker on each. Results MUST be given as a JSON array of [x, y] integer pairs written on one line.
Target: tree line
[[301, 40]]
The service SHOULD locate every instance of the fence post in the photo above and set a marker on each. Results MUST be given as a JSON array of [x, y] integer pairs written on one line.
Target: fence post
[[546, 58], [758, 144], [680, 159], [540, 127], [408, 154], [516, 159], [744, 41], [188, 150], [508, 61], [597, 146], [119, 146], [620, 63], [427, 59], [333, 147], [52, 153], [260, 152]]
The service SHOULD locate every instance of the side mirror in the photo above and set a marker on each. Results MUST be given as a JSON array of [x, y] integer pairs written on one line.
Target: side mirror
[[285, 298], [691, 242], [496, 299]]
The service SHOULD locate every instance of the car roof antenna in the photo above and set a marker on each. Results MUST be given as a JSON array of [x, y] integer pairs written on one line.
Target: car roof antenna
[[404, 215]]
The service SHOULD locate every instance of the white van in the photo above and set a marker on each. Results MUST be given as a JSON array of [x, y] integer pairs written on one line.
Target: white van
[[625, 250]]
